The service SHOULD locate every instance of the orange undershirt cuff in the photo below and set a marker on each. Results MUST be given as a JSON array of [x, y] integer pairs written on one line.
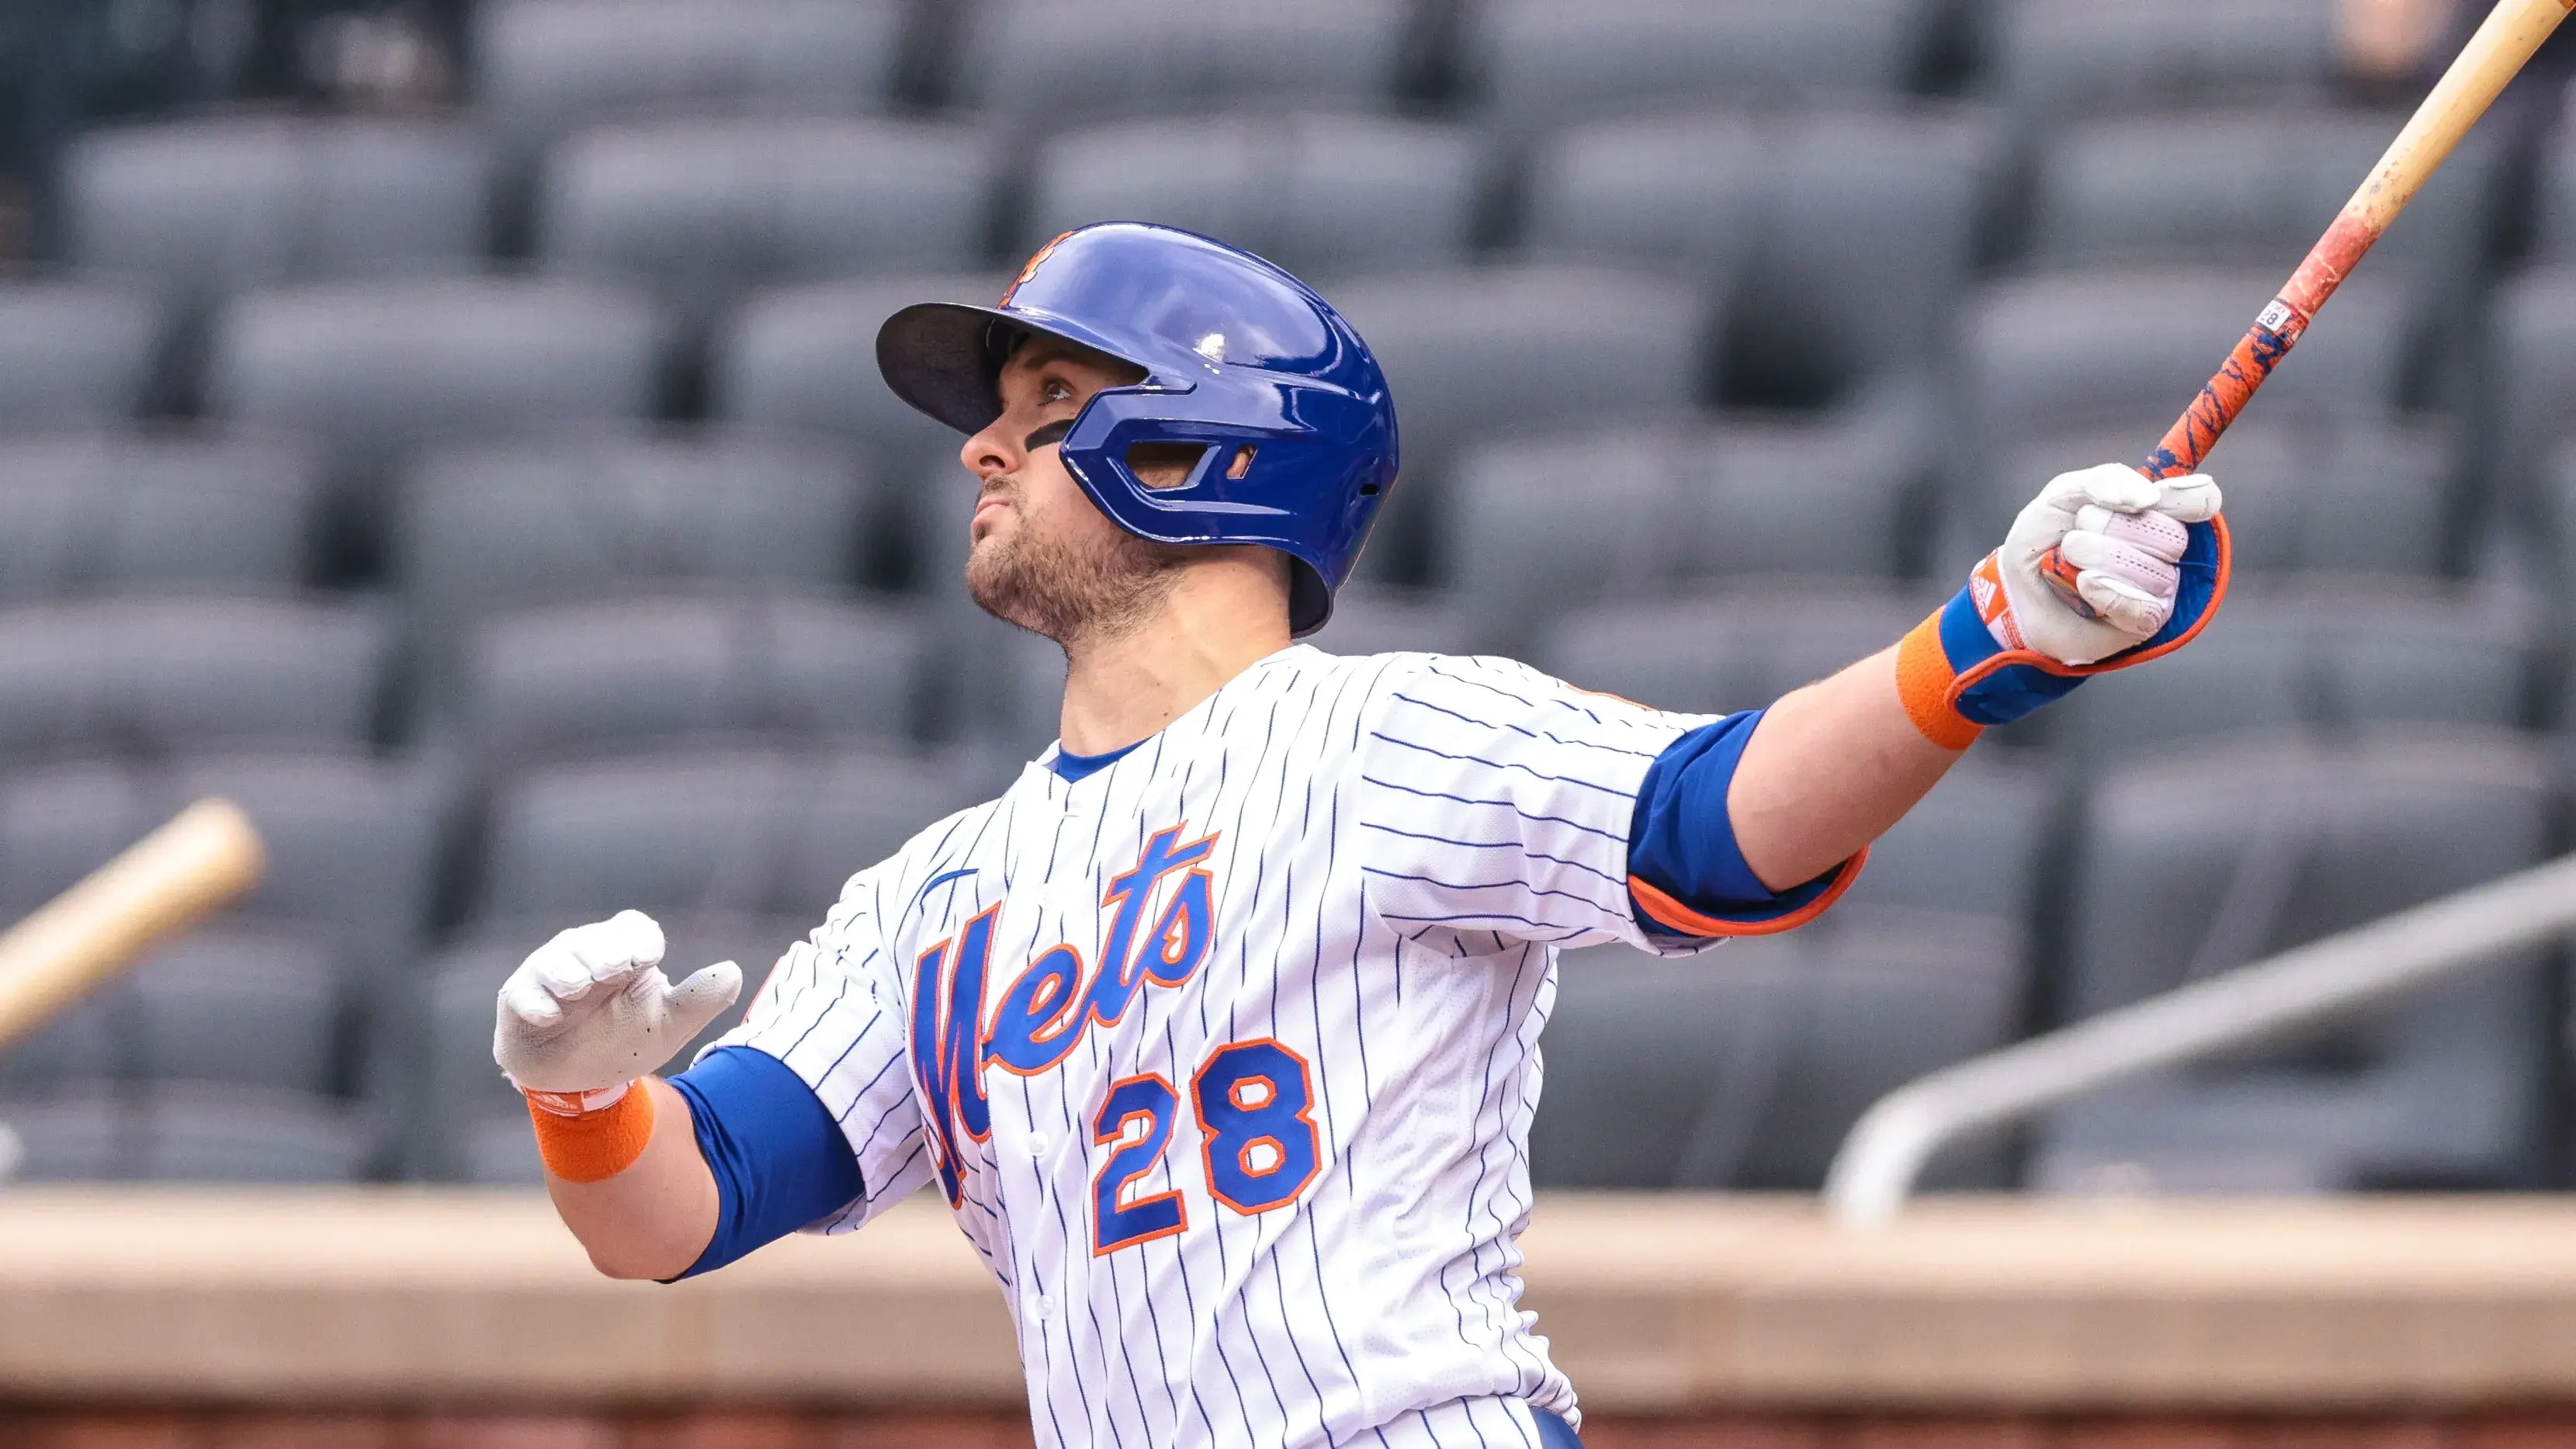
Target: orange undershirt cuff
[[1923, 683], [596, 1145]]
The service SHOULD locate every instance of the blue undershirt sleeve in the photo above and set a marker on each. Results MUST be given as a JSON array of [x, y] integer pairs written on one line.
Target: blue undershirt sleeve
[[780, 1161], [1681, 845]]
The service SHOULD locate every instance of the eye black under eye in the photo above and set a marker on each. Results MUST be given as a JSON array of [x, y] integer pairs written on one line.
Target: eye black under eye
[[1052, 433]]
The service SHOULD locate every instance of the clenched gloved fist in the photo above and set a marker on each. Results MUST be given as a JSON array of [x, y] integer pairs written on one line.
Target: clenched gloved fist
[[2142, 565], [2124, 537], [591, 1011]]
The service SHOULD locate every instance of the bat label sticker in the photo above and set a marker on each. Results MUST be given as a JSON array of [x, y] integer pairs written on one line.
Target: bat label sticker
[[2277, 317]]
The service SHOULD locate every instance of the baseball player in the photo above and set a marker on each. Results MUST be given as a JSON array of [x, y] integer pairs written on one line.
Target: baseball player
[[1218, 1030]]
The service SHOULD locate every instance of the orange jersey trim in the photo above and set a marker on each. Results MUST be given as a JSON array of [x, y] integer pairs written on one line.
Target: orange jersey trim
[[1673, 915]]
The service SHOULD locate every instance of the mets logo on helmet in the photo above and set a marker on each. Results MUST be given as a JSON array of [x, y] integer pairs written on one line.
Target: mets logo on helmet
[[1031, 269]]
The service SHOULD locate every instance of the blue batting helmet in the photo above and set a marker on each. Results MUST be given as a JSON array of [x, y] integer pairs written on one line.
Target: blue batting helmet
[[1242, 360]]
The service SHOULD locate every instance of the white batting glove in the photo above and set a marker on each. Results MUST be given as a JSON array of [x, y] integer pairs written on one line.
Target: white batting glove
[[590, 1011], [2121, 535]]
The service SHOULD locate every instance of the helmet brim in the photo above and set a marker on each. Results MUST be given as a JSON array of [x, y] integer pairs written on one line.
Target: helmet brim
[[945, 358]]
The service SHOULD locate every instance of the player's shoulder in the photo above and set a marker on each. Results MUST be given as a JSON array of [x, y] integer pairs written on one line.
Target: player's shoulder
[[922, 858]]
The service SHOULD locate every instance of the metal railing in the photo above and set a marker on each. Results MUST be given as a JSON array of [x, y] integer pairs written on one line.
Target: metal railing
[[2288, 994]]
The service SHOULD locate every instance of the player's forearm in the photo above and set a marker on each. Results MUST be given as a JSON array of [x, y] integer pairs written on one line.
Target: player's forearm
[[655, 1217], [1828, 770]]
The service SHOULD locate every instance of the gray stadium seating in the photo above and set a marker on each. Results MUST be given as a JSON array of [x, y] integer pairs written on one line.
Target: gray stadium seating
[[703, 211], [245, 1007], [203, 208], [144, 678], [2532, 368], [1481, 352], [1321, 195], [2200, 864], [2130, 350], [1784, 213], [2053, 59], [1731, 651], [1542, 527], [130, 514], [2257, 189], [805, 358], [191, 1133], [2327, 656], [1047, 64], [483, 530], [758, 833], [546, 68], [76, 355], [1744, 1067], [352, 842], [2305, 494], [638, 674], [1542, 63], [1980, 844], [376, 370], [472, 1126]]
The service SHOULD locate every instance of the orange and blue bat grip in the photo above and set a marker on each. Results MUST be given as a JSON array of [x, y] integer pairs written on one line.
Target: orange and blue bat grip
[[2504, 42]]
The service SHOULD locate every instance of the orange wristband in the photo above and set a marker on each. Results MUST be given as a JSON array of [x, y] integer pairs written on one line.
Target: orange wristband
[[593, 1144], [1923, 680]]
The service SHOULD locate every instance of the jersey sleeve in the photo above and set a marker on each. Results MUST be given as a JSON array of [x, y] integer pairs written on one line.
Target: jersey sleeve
[[832, 1011], [1491, 797]]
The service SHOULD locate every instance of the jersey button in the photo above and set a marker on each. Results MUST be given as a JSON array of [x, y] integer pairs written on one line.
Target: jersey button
[[1040, 1144], [1043, 1307]]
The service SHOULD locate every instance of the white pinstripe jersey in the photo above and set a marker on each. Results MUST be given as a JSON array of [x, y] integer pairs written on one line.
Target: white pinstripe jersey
[[1226, 1055]]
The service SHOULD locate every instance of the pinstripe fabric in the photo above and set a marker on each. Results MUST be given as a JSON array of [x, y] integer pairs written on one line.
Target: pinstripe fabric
[[1394, 850]]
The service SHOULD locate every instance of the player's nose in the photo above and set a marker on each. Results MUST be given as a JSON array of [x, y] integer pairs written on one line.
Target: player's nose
[[990, 453]]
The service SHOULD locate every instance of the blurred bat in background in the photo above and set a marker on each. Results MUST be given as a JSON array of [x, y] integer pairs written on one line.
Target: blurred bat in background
[[2491, 59], [207, 856]]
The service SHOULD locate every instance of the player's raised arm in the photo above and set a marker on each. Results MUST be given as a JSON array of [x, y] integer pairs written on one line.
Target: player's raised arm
[[1833, 765]]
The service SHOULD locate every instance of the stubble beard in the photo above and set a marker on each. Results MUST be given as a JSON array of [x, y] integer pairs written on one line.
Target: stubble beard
[[1074, 591]]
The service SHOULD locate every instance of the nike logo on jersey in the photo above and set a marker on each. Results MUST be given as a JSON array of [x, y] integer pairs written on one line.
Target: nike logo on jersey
[[1045, 1011]]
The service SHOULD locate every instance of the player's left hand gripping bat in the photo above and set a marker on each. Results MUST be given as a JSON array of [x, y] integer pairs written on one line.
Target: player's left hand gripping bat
[[2493, 56]]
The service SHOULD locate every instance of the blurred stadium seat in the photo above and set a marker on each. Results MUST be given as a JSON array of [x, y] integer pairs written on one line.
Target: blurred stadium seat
[[550, 67], [202, 209], [1484, 352], [1539, 529], [144, 678], [2204, 861], [2331, 656], [1745, 1068], [1781, 214], [1748, 647], [642, 674], [2305, 494], [747, 832], [702, 212], [805, 358], [2147, 342], [1536, 64], [170, 512], [375, 371], [1026, 62], [1322, 195], [353, 843], [483, 530], [2055, 59], [76, 355]]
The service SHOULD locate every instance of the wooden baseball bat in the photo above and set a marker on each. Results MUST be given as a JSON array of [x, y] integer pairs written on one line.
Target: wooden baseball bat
[[2493, 56], [206, 856]]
